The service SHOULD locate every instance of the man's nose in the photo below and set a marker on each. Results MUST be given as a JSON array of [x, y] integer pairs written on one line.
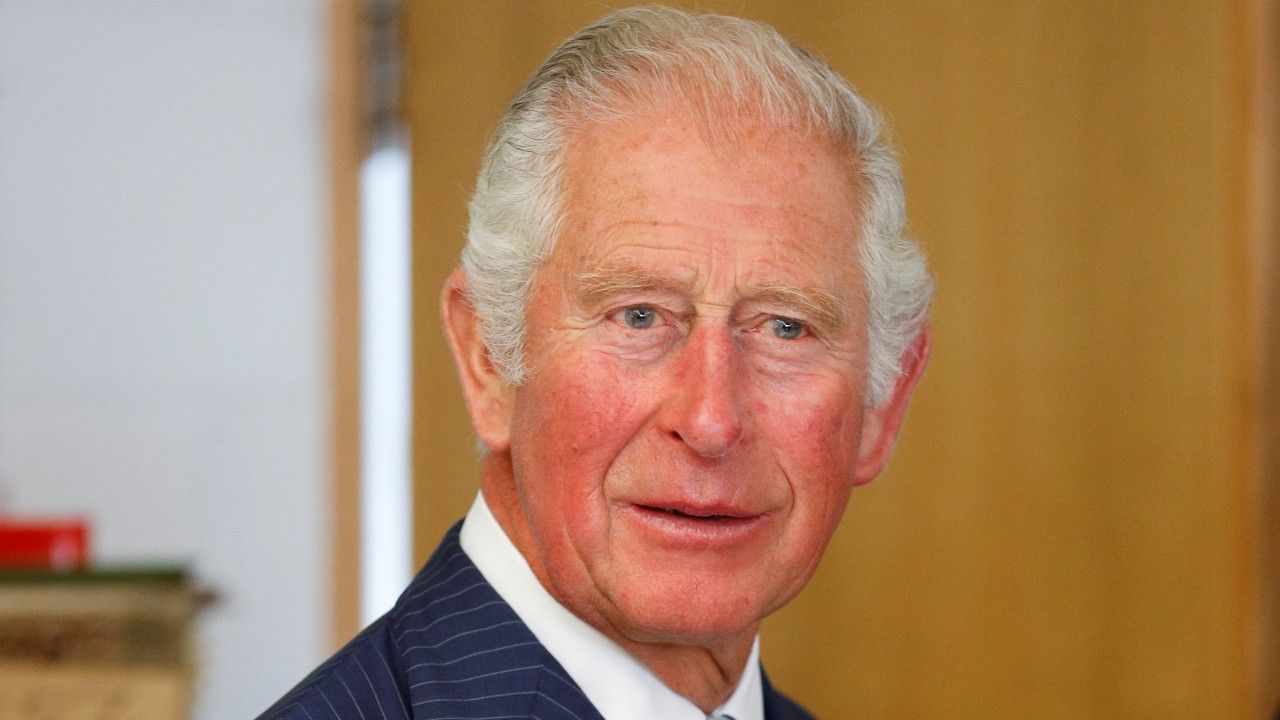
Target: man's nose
[[704, 405]]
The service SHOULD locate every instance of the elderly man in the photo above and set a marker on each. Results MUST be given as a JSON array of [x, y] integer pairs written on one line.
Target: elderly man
[[687, 324]]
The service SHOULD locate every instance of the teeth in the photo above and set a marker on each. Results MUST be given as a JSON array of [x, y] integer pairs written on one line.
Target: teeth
[[681, 513]]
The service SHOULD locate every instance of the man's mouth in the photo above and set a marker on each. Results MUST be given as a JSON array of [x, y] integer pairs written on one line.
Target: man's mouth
[[702, 515], [681, 524], [696, 511], [697, 514]]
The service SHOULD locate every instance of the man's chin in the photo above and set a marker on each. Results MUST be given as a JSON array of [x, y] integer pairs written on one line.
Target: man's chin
[[701, 617]]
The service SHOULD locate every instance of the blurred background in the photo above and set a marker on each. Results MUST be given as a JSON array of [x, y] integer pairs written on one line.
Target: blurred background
[[223, 385]]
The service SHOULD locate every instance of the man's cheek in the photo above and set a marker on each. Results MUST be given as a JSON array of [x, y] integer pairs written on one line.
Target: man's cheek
[[818, 435], [597, 408]]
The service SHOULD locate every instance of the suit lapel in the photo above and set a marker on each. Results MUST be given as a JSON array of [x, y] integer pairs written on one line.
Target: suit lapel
[[466, 654]]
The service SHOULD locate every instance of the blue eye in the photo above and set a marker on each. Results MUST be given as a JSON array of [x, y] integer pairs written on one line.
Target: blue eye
[[639, 317], [786, 328]]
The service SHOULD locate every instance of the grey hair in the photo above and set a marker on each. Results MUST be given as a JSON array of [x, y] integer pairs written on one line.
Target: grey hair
[[718, 67]]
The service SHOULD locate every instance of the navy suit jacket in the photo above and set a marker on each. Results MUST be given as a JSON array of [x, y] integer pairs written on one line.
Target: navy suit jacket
[[451, 648]]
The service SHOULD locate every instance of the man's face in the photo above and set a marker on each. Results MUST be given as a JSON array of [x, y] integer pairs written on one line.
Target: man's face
[[690, 430]]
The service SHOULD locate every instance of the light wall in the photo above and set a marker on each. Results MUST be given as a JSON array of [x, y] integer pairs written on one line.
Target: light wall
[[165, 307], [1077, 523]]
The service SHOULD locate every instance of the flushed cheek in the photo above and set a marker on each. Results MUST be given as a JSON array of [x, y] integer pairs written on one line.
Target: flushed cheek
[[572, 420], [590, 406], [815, 438], [815, 445]]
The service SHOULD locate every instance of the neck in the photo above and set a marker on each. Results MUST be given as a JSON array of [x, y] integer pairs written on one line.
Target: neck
[[703, 671], [706, 676]]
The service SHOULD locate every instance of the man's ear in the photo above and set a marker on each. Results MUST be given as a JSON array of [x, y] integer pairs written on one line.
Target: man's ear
[[489, 396], [880, 425]]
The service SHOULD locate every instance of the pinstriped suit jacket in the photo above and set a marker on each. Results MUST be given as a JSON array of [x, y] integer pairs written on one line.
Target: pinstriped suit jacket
[[450, 649]]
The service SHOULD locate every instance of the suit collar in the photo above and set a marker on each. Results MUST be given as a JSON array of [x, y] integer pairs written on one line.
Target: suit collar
[[465, 653]]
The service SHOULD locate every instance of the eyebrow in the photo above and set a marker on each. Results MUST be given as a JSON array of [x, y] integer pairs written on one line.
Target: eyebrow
[[594, 287], [828, 313]]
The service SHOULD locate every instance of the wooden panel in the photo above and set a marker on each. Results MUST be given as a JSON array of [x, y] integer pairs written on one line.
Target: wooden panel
[[1069, 528], [1261, 55], [346, 152]]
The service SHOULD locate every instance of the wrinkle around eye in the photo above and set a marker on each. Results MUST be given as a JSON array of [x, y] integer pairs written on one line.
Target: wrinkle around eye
[[614, 331], [791, 358], [766, 326]]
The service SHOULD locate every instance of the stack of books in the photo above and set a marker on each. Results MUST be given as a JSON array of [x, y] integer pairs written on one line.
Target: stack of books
[[103, 643]]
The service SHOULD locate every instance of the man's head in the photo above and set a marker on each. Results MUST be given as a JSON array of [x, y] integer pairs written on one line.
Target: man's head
[[687, 322]]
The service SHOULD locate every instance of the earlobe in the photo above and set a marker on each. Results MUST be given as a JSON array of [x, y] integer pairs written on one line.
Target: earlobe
[[487, 393], [882, 423]]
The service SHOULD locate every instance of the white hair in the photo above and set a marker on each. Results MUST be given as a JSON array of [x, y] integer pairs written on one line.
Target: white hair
[[719, 67]]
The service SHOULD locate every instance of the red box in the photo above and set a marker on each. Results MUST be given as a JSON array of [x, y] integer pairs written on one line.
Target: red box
[[51, 544]]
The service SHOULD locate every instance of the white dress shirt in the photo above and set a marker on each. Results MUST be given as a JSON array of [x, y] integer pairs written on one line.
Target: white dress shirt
[[620, 686]]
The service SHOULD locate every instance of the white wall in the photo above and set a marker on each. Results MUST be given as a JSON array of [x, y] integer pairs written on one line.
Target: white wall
[[164, 305]]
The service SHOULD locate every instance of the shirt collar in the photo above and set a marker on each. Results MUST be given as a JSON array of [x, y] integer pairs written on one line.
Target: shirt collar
[[620, 686]]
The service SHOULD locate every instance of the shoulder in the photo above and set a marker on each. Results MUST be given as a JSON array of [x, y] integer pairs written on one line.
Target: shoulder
[[360, 677], [368, 677], [450, 646]]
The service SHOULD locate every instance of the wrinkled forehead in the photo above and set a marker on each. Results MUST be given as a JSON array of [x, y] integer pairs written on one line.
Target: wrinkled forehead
[[776, 208], [659, 165]]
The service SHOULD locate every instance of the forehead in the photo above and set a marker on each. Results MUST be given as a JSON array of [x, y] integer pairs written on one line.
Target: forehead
[[764, 206]]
